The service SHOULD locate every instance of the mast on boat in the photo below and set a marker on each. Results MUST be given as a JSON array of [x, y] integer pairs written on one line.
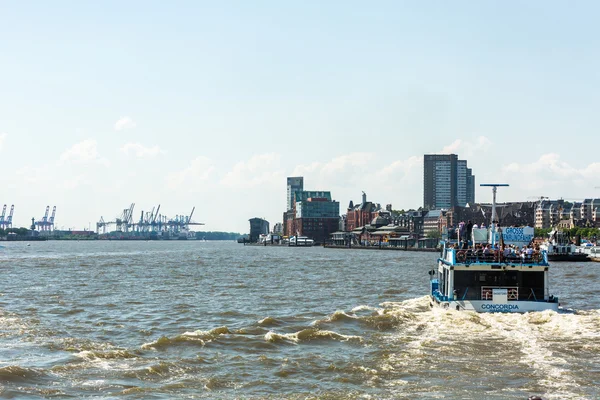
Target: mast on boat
[[494, 219]]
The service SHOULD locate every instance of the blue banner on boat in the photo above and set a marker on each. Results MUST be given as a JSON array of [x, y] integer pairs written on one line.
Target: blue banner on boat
[[518, 236]]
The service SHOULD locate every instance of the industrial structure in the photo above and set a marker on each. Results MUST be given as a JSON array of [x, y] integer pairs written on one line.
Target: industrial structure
[[46, 225], [6, 221], [151, 224]]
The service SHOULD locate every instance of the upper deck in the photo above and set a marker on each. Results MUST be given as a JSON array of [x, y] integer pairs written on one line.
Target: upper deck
[[470, 257]]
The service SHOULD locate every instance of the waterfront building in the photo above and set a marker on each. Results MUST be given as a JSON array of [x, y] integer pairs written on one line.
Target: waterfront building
[[317, 215], [447, 182], [550, 213], [508, 214], [412, 220], [258, 226], [434, 222], [294, 184], [360, 214], [589, 208], [343, 223], [278, 229]]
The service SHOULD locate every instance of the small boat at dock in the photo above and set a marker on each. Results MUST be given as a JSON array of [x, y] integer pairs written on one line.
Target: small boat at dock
[[301, 241], [560, 248]]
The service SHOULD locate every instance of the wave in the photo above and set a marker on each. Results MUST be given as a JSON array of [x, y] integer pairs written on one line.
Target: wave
[[310, 334], [375, 318], [15, 373], [106, 355], [269, 321], [196, 337]]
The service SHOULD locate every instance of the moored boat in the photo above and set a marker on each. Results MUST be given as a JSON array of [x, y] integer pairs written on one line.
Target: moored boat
[[484, 278], [301, 241], [560, 248]]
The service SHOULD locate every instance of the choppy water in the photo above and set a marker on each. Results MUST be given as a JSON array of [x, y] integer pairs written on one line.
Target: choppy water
[[194, 319]]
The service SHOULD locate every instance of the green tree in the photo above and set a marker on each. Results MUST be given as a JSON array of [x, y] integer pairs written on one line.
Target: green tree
[[434, 235], [542, 233]]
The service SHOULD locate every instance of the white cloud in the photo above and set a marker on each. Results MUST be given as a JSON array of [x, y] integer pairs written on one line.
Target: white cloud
[[124, 123], [552, 177], [465, 149], [32, 175], [385, 181], [402, 170], [259, 170], [344, 170], [2, 139], [82, 153], [140, 150], [74, 182], [200, 169]]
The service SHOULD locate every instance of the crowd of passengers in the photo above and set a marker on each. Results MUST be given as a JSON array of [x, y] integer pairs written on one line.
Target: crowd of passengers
[[497, 253]]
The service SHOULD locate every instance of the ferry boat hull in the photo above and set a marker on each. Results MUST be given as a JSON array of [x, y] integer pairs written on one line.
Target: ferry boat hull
[[487, 306]]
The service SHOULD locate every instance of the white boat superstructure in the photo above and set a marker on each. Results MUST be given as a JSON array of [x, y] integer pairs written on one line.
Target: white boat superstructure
[[560, 248], [300, 241], [492, 280], [594, 253]]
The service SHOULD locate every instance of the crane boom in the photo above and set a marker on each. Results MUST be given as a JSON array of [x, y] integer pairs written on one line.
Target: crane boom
[[3, 213], [130, 213], [53, 214], [46, 214], [156, 215], [190, 217]]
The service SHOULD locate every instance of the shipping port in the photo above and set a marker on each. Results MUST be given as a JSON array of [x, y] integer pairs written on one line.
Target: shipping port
[[150, 225]]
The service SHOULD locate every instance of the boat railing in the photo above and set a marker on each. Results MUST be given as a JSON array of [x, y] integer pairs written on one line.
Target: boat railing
[[513, 293], [469, 256]]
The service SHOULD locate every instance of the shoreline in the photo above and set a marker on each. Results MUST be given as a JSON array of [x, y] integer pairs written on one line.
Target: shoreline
[[392, 248]]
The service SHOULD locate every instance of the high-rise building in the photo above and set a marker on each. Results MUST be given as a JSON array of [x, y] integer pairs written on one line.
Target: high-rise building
[[447, 182], [294, 184]]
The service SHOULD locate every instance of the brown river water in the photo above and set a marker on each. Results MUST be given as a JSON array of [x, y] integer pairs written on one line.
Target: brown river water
[[219, 320]]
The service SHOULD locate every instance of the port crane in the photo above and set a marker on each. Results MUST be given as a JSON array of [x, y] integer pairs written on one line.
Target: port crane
[[151, 221], [46, 225], [6, 221]]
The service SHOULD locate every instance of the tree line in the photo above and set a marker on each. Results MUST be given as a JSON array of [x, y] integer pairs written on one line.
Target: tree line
[[217, 235], [16, 231], [585, 233]]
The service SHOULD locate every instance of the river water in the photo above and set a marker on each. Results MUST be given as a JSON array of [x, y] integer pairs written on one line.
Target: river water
[[191, 319]]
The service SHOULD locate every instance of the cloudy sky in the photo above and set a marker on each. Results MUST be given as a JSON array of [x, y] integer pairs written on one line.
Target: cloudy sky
[[213, 104]]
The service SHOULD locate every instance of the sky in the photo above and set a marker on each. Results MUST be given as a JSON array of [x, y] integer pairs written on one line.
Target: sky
[[213, 104]]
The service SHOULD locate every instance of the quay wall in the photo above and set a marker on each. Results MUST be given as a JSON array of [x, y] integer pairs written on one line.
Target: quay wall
[[392, 248]]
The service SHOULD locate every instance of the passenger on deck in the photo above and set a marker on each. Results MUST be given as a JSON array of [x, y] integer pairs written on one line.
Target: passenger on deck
[[507, 252], [487, 251]]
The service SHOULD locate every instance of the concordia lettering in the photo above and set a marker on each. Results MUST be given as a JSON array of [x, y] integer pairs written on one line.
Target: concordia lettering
[[500, 307]]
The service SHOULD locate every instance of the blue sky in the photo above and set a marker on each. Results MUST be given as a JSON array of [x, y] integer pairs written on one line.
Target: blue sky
[[213, 104]]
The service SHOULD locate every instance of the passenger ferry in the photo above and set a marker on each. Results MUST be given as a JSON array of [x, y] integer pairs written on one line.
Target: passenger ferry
[[487, 281]]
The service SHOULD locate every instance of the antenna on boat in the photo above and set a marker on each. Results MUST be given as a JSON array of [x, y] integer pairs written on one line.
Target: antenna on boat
[[494, 220]]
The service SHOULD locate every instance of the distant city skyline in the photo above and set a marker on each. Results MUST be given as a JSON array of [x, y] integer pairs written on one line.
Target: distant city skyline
[[213, 105]]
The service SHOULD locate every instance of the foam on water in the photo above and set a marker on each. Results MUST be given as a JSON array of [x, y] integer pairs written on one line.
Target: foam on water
[[437, 335], [309, 335]]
